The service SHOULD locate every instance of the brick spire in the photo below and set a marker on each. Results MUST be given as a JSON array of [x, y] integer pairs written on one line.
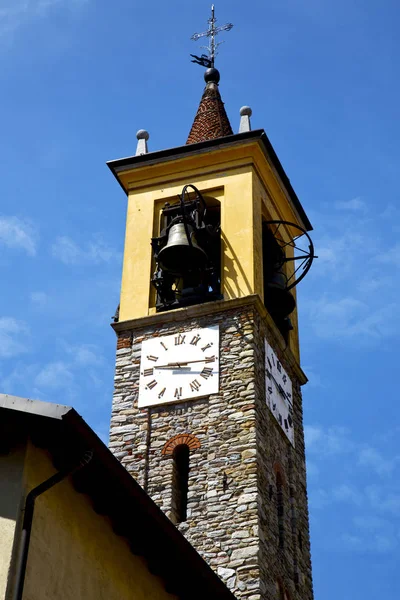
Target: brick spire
[[211, 120]]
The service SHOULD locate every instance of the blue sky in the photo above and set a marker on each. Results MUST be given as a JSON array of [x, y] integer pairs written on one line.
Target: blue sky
[[78, 79]]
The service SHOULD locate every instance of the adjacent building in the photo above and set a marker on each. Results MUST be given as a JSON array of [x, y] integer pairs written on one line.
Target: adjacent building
[[74, 525]]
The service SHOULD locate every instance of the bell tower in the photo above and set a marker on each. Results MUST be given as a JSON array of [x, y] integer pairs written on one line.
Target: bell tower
[[207, 408]]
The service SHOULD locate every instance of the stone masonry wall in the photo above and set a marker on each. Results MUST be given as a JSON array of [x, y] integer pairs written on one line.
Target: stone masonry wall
[[290, 565], [232, 516]]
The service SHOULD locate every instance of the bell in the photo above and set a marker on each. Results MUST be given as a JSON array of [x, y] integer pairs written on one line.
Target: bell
[[279, 301], [178, 256]]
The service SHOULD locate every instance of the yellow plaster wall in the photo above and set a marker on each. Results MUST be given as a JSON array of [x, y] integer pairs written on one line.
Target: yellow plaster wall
[[237, 235], [11, 471], [233, 187], [136, 271], [74, 554]]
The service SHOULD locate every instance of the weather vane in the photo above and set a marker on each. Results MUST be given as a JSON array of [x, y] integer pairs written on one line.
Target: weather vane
[[212, 31]]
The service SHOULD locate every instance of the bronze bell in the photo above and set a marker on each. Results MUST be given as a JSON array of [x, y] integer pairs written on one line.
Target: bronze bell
[[178, 256], [279, 301]]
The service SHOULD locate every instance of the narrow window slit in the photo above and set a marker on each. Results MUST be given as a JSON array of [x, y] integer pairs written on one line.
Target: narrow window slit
[[280, 510], [180, 482]]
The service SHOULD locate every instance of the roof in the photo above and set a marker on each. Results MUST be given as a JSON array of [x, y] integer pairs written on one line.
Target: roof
[[170, 154], [114, 493], [211, 120]]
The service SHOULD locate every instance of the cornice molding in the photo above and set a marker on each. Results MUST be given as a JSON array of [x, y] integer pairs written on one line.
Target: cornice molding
[[180, 315]]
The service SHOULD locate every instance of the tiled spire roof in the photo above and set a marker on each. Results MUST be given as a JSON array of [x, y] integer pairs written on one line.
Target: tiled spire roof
[[211, 120]]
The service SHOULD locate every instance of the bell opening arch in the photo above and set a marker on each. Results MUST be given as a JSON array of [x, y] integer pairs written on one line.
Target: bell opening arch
[[186, 251]]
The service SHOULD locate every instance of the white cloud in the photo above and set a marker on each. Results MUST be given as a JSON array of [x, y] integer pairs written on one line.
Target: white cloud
[[371, 534], [319, 499], [347, 493], [18, 234], [66, 250], [39, 299], [312, 469], [391, 256], [54, 375], [334, 441], [375, 543], [383, 500], [355, 204], [356, 263], [79, 367], [85, 355], [17, 13], [70, 253], [13, 337], [339, 250], [98, 252], [390, 212], [327, 442], [312, 435], [372, 459], [370, 522], [314, 379], [351, 319], [17, 380], [376, 282]]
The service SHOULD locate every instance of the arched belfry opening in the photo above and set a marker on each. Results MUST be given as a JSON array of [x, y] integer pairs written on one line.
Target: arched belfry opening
[[187, 251], [286, 258], [180, 482], [279, 302]]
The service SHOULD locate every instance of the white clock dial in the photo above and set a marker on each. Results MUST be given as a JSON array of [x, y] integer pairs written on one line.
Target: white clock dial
[[179, 367], [279, 392]]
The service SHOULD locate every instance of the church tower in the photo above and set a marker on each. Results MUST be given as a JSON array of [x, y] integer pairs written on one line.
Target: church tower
[[207, 408]]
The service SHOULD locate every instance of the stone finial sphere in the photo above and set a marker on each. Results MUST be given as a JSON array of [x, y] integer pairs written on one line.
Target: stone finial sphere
[[246, 111], [142, 134], [212, 75]]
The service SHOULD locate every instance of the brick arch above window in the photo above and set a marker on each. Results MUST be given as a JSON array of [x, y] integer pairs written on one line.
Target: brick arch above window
[[183, 438]]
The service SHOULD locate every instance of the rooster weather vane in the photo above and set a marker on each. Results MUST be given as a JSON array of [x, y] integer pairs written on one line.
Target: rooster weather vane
[[212, 31]]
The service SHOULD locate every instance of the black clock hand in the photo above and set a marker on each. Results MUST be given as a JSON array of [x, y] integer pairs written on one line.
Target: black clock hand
[[278, 385], [170, 366], [181, 364]]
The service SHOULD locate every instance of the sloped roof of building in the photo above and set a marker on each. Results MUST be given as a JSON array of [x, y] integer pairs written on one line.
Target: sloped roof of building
[[67, 437]]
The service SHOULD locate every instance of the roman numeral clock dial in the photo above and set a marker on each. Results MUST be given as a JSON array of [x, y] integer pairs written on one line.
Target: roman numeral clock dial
[[179, 367], [279, 392]]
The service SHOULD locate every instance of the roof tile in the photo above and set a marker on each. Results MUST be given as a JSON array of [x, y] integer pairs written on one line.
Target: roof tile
[[211, 120]]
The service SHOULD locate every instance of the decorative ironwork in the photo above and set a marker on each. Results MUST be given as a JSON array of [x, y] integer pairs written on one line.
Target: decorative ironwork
[[304, 256], [212, 31]]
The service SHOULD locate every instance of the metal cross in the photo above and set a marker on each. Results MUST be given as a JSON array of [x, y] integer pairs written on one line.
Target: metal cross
[[212, 31]]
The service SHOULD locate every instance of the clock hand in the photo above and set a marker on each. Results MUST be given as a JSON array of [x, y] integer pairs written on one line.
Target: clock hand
[[188, 362], [170, 366], [181, 364], [278, 385]]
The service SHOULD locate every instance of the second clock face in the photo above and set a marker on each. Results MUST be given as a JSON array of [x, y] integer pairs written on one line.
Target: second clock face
[[278, 391], [178, 367]]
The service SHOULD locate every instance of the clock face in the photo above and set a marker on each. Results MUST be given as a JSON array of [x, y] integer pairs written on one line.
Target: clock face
[[178, 367], [279, 392]]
